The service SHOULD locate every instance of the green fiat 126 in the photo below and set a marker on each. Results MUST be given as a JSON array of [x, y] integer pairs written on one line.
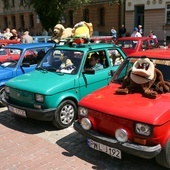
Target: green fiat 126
[[60, 80]]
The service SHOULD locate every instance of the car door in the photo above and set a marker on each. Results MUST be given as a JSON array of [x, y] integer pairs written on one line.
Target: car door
[[29, 60], [91, 82]]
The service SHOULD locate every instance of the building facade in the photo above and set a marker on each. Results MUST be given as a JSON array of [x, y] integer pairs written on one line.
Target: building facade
[[103, 14], [151, 14]]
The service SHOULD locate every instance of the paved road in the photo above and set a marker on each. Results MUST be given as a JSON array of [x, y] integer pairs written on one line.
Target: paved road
[[35, 145]]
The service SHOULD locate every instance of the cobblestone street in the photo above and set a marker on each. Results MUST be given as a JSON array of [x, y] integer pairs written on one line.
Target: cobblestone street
[[30, 144]]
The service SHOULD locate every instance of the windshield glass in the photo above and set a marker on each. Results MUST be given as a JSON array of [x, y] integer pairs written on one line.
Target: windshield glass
[[128, 44], [162, 64], [65, 61]]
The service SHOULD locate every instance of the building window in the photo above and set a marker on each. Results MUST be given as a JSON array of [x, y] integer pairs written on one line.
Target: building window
[[13, 3], [31, 21], [168, 13], [70, 20], [101, 16], [22, 21], [5, 22], [21, 2], [13, 22], [86, 15], [6, 4]]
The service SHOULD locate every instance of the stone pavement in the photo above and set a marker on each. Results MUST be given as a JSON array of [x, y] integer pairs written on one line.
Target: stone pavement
[[34, 145]]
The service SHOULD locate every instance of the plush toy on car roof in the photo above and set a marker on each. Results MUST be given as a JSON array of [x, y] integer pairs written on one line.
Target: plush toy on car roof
[[82, 31], [142, 77]]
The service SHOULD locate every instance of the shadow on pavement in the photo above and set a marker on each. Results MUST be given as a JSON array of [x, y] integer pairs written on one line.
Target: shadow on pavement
[[25, 125], [75, 144]]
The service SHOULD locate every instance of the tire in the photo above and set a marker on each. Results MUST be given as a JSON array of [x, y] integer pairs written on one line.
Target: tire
[[163, 158], [65, 114], [1, 96]]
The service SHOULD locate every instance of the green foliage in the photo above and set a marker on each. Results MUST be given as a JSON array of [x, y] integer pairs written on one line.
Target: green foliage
[[51, 11]]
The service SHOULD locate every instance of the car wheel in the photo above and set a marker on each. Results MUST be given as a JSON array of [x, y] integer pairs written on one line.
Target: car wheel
[[1, 96], [65, 114], [163, 158]]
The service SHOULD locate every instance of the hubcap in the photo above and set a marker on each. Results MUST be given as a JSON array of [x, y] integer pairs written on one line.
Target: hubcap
[[67, 114]]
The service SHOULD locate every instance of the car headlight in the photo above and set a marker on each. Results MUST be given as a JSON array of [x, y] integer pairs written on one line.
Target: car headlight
[[39, 98], [121, 135], [86, 124], [143, 129], [7, 89], [83, 111]]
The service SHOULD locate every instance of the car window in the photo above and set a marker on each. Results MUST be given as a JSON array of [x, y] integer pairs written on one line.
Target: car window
[[65, 61], [128, 44], [33, 56], [115, 57], [96, 60]]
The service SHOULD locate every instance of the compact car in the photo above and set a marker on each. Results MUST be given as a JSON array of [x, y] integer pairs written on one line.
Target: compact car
[[52, 91], [129, 123], [20, 59], [134, 44]]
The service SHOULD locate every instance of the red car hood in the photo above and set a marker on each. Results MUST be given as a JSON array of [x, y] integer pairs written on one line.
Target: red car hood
[[129, 106]]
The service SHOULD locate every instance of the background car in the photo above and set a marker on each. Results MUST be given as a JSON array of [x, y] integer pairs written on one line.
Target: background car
[[20, 59], [53, 90], [41, 39], [8, 42], [116, 123], [134, 44]]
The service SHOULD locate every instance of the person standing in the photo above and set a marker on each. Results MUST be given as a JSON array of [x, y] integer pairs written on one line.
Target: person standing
[[26, 37], [140, 29], [136, 33], [44, 32], [122, 31], [7, 34], [113, 33]]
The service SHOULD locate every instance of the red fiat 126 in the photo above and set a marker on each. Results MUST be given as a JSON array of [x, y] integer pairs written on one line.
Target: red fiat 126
[[130, 123]]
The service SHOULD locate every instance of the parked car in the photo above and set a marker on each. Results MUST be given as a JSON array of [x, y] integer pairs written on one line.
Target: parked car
[[51, 93], [134, 44], [131, 123], [8, 42], [20, 59], [41, 39], [102, 39]]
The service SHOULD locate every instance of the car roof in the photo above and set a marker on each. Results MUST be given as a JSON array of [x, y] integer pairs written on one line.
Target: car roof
[[135, 38], [153, 53], [89, 46], [29, 45]]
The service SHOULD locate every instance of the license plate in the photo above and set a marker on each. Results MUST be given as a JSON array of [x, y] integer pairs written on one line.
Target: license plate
[[103, 148], [17, 111]]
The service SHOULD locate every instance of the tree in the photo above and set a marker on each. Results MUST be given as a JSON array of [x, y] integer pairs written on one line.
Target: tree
[[51, 11]]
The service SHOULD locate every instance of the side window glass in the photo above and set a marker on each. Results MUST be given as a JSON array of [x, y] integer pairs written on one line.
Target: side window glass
[[30, 57], [96, 60], [115, 57]]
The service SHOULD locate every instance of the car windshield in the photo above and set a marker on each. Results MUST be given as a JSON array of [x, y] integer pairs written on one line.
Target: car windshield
[[128, 44], [64, 61], [162, 64]]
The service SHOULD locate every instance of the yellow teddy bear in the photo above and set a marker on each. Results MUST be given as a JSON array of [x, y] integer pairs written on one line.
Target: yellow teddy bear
[[83, 30]]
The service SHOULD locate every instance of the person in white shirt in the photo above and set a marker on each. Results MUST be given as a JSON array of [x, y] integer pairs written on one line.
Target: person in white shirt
[[136, 33]]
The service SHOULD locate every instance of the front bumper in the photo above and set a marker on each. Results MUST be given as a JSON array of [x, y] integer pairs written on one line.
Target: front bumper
[[38, 114], [147, 152]]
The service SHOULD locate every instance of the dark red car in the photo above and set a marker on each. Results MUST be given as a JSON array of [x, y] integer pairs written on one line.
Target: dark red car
[[135, 44], [130, 123]]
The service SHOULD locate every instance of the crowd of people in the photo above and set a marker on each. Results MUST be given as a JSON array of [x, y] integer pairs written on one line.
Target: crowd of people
[[137, 32], [22, 36]]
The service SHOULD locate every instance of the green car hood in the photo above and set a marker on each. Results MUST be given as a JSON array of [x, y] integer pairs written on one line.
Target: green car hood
[[36, 82]]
